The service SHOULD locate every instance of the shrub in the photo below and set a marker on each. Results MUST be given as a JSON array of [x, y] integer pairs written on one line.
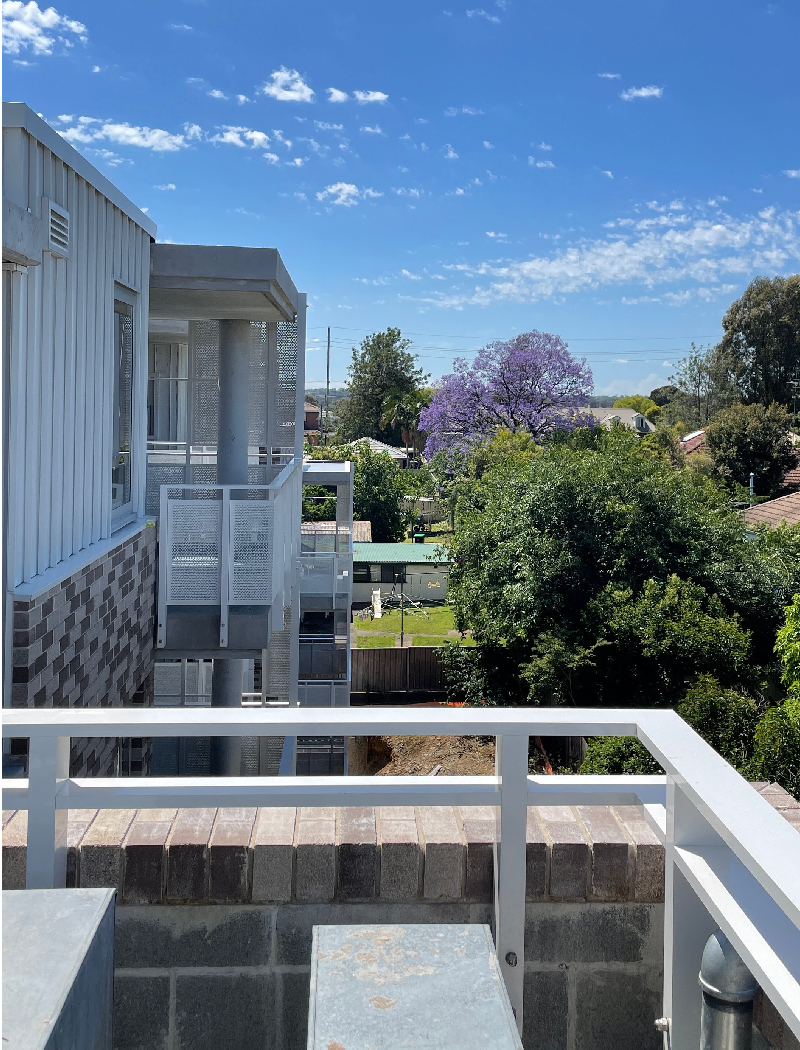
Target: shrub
[[776, 754], [618, 756], [725, 718]]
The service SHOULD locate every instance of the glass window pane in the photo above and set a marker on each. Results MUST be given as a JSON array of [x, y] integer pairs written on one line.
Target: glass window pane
[[123, 405]]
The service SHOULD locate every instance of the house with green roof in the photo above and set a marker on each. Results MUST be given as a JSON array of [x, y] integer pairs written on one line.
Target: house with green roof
[[422, 568]]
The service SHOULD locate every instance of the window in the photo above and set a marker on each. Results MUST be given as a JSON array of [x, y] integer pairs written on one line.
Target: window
[[361, 572], [123, 405], [393, 574]]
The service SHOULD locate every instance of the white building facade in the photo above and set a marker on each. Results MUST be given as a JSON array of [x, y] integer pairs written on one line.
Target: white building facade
[[153, 469]]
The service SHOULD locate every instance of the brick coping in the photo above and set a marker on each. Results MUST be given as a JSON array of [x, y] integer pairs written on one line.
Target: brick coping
[[307, 855]]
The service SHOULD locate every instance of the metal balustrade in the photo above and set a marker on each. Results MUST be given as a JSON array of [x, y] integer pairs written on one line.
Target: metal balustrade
[[732, 862], [225, 546]]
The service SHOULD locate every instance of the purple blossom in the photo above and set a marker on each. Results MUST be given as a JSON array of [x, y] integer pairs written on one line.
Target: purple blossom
[[530, 383]]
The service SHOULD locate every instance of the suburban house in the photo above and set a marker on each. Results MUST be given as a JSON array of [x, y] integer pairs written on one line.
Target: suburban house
[[401, 457], [626, 417], [420, 568], [782, 511], [694, 442], [311, 422], [154, 470]]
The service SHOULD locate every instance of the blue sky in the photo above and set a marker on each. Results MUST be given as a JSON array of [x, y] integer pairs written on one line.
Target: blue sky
[[615, 172]]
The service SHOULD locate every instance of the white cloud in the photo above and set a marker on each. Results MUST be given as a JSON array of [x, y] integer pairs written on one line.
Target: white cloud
[[702, 254], [478, 12], [335, 95], [534, 163], [286, 85], [487, 144], [113, 160], [156, 139], [651, 91], [95, 69], [166, 186], [449, 152], [608, 174], [403, 191], [272, 158], [216, 93], [497, 236], [346, 194], [468, 111], [375, 129], [322, 125], [544, 146], [411, 276], [245, 138], [420, 120], [792, 173], [193, 131], [26, 26], [609, 76], [182, 26], [369, 96]]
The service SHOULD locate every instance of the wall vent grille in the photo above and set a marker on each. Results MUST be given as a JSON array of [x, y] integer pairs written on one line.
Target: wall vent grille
[[57, 227]]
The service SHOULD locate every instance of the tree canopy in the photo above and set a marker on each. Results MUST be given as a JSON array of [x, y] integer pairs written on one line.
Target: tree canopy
[[380, 369], [640, 403], [377, 489], [751, 438], [762, 339], [530, 383], [605, 577]]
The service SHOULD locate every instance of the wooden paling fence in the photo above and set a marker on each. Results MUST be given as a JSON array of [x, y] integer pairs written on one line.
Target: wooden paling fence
[[414, 669]]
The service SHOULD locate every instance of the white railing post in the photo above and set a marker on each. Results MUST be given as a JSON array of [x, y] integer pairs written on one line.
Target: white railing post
[[687, 923], [511, 766], [48, 768]]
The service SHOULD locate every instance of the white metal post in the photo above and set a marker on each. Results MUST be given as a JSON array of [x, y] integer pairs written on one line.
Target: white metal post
[[48, 768], [511, 766], [687, 923]]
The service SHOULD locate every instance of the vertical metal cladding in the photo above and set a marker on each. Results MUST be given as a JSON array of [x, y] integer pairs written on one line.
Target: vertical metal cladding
[[61, 364]]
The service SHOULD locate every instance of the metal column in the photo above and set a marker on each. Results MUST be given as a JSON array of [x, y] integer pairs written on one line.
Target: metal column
[[232, 447]]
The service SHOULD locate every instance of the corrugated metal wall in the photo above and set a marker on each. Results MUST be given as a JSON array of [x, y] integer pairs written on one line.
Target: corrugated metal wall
[[61, 372]]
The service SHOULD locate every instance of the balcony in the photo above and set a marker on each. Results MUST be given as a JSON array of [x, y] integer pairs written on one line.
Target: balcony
[[225, 553], [730, 861]]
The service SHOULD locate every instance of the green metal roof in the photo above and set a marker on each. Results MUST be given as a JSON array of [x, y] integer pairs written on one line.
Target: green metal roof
[[396, 553]]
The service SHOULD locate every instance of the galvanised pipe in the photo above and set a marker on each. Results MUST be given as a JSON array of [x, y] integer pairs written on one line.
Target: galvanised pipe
[[726, 1019]]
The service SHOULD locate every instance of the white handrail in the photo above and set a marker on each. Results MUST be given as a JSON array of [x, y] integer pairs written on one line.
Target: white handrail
[[731, 860]]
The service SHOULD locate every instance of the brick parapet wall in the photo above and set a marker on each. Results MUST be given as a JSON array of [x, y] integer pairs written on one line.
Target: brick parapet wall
[[318, 855], [232, 968], [88, 641]]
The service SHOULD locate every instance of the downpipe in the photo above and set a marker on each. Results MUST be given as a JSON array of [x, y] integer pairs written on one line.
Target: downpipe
[[726, 1019]]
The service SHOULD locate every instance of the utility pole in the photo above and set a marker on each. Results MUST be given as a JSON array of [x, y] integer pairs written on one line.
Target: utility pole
[[327, 386]]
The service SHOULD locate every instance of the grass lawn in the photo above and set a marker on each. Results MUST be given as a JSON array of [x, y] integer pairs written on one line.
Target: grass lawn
[[375, 641], [436, 620]]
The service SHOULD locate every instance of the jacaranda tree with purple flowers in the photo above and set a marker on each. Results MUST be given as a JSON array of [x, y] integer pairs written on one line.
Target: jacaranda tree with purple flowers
[[530, 383]]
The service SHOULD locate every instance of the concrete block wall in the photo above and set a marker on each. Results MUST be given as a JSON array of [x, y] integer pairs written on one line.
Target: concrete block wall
[[215, 909], [88, 642]]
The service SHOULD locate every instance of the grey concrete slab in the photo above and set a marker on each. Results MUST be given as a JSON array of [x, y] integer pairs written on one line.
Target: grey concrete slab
[[58, 969]]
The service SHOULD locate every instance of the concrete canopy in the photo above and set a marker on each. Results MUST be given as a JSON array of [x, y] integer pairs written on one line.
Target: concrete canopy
[[209, 282]]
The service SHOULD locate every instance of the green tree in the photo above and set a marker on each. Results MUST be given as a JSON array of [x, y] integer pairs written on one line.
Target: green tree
[[745, 438], [377, 488], [640, 403], [380, 368], [604, 576], [705, 385], [402, 408], [762, 339], [787, 647], [662, 395]]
